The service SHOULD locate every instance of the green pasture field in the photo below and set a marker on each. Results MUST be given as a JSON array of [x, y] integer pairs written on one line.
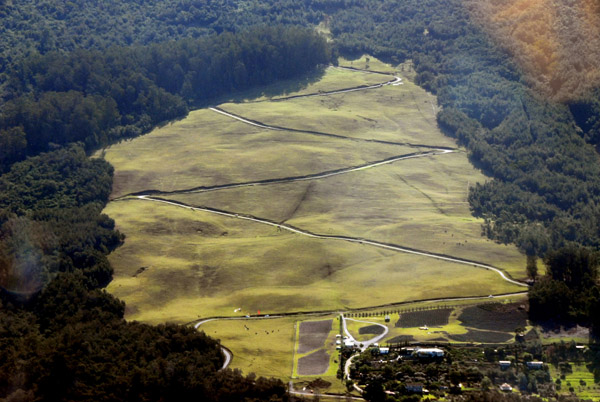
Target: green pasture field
[[401, 113], [418, 203], [198, 264], [264, 347], [324, 80], [179, 265], [354, 329], [208, 149], [373, 64], [589, 391]]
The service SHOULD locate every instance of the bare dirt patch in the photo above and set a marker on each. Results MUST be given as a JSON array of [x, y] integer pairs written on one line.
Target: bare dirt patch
[[371, 330], [313, 335], [482, 336], [401, 339], [314, 364], [495, 316], [432, 318]]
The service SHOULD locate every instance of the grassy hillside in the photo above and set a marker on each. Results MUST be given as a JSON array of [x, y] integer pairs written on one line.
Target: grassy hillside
[[214, 264]]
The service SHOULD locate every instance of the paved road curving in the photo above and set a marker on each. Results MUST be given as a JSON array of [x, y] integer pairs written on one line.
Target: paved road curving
[[347, 372], [365, 344], [226, 352]]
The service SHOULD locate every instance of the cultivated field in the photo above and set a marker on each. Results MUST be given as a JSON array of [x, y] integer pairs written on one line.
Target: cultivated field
[[464, 321], [432, 318], [276, 347], [360, 167], [496, 317], [313, 335]]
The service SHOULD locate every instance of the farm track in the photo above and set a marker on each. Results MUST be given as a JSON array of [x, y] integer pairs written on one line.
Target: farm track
[[151, 195], [198, 323], [314, 176], [259, 124], [396, 81], [356, 240]]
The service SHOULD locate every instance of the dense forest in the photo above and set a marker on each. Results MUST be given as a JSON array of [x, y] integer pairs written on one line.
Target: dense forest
[[61, 336], [77, 76], [545, 196], [546, 189], [98, 97]]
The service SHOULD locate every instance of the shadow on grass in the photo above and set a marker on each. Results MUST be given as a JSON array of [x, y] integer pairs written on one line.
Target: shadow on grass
[[275, 89]]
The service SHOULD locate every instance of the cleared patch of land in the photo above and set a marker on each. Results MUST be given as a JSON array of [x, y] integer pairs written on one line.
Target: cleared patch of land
[[207, 148], [200, 264], [329, 79], [419, 203], [179, 265], [315, 363], [432, 318], [263, 347], [371, 330], [403, 113], [313, 335], [482, 336], [498, 317]]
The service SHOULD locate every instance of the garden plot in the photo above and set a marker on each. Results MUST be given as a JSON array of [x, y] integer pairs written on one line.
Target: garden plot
[[495, 317], [371, 330], [316, 363], [482, 336], [432, 318], [313, 335]]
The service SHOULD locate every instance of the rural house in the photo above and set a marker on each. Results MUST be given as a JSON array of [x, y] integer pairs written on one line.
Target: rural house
[[504, 364], [415, 388], [429, 352], [535, 365]]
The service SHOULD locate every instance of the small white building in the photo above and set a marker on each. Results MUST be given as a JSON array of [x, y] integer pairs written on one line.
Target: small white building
[[504, 364], [535, 365], [348, 344], [429, 352], [414, 388], [505, 388]]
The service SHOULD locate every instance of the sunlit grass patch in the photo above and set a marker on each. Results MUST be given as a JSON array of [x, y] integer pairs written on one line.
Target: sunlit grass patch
[[178, 265], [263, 347]]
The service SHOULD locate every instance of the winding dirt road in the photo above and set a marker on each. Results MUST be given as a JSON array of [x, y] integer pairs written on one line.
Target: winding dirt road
[[262, 125], [395, 81], [314, 176], [358, 240], [151, 196]]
